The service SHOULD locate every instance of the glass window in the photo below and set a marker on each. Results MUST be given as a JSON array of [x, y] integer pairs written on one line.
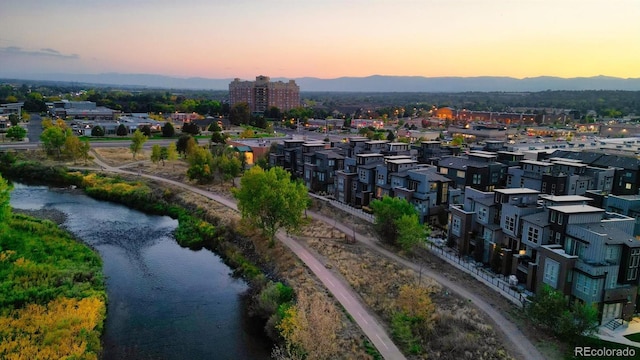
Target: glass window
[[455, 225], [551, 270]]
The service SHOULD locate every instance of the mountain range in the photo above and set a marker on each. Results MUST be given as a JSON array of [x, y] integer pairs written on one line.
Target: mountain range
[[374, 83]]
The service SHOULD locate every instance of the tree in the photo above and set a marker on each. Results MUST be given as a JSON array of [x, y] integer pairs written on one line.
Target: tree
[[200, 165], [183, 143], [156, 153], [270, 200], [53, 139], [410, 232], [172, 153], [16, 133], [310, 328], [214, 127], [550, 310], [228, 165], [72, 146], [146, 130], [391, 136], [85, 147], [190, 128], [239, 114], [388, 213], [168, 130], [97, 131], [122, 130], [137, 140]]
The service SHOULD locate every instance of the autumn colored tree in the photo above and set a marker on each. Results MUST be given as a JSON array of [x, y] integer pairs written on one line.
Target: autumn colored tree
[[156, 153], [311, 327], [271, 200]]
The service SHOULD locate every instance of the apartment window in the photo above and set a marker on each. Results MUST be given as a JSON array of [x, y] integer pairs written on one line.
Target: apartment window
[[627, 186], [510, 223], [551, 271], [558, 238], [611, 254], [533, 234], [321, 176], [509, 179], [455, 225], [495, 177], [560, 217], [444, 171], [634, 261], [554, 215], [482, 214], [476, 179], [586, 285], [553, 189], [413, 185], [521, 182], [460, 174], [332, 162], [544, 187]]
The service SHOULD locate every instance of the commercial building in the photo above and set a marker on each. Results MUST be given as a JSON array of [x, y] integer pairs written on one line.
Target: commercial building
[[263, 94]]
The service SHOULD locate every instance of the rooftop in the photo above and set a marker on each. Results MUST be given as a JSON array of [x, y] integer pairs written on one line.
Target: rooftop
[[576, 209], [516, 191], [565, 198]]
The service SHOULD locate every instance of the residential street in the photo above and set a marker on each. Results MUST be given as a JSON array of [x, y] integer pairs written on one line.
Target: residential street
[[349, 299]]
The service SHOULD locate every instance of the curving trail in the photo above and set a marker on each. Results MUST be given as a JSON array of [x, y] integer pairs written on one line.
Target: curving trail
[[347, 296]]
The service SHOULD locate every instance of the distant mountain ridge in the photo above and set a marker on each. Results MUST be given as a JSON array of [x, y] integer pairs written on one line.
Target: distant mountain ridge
[[374, 83]]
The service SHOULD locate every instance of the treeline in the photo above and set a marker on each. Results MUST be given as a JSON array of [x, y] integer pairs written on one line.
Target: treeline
[[52, 292]]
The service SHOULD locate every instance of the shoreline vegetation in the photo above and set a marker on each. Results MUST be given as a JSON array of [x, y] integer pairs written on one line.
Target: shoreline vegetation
[[272, 273], [52, 290]]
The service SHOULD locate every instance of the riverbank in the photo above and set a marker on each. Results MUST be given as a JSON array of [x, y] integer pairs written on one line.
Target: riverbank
[[52, 292], [243, 249]]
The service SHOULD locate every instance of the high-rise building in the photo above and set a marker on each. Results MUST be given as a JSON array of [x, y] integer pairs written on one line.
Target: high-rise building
[[263, 94]]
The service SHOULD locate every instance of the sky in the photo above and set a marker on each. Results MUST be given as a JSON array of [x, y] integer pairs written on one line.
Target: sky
[[321, 38]]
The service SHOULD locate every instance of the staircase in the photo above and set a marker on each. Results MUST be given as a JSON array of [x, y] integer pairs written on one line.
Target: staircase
[[614, 324]]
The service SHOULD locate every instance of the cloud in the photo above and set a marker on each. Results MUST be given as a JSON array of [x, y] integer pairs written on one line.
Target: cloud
[[15, 50]]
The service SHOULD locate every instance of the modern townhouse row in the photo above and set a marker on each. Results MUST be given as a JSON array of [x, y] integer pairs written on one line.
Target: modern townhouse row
[[570, 221], [566, 219]]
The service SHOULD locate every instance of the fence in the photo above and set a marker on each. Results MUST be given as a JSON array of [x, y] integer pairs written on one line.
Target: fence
[[500, 283]]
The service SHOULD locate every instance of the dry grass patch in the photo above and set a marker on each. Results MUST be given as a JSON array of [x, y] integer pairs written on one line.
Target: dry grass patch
[[459, 331]]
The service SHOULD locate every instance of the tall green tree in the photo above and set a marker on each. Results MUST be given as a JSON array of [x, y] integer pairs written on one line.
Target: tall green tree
[[271, 200], [53, 139], [172, 152], [137, 141], [156, 153], [85, 147], [122, 130], [388, 213], [240, 114], [200, 165], [97, 131], [168, 130], [410, 232]]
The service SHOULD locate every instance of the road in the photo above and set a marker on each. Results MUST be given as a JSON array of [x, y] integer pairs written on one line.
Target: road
[[340, 290]]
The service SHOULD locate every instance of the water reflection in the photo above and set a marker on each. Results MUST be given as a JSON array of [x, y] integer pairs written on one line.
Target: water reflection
[[165, 302]]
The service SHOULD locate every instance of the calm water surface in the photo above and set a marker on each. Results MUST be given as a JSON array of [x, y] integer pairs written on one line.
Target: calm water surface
[[165, 302]]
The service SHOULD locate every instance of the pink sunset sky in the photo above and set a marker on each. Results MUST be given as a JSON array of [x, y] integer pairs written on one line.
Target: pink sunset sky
[[321, 38]]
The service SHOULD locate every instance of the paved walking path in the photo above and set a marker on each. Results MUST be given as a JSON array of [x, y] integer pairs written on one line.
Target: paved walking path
[[340, 290], [348, 298]]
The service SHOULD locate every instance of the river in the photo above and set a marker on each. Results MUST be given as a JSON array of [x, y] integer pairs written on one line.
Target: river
[[165, 301]]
